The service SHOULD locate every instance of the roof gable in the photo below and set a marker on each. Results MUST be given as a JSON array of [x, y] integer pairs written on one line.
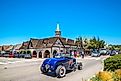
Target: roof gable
[[25, 45], [58, 42], [33, 43]]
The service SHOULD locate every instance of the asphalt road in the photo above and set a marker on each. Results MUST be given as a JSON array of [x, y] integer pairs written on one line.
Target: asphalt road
[[30, 71]]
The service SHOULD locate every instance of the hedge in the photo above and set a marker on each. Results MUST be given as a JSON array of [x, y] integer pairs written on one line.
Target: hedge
[[112, 63]]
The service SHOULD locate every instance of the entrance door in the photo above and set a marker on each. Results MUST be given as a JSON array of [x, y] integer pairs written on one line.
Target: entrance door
[[40, 54], [47, 54], [54, 52], [34, 54]]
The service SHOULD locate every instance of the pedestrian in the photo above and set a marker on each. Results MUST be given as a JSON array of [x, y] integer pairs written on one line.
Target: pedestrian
[[82, 54]]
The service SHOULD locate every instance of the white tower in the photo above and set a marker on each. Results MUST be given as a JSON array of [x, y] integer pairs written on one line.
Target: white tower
[[57, 32]]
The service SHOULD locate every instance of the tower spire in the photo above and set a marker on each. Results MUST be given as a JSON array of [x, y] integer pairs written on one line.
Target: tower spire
[[57, 31], [58, 28]]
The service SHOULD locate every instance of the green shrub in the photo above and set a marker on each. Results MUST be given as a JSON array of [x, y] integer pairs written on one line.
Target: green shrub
[[112, 63]]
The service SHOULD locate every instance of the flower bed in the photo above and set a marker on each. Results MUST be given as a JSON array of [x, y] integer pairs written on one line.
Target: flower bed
[[112, 70], [107, 76]]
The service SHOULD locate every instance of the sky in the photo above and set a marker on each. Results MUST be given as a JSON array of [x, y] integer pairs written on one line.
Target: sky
[[21, 20]]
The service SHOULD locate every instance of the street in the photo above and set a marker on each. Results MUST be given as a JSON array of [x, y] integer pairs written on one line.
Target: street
[[30, 71]]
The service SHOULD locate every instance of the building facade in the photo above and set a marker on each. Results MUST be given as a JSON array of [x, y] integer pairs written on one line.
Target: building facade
[[48, 47]]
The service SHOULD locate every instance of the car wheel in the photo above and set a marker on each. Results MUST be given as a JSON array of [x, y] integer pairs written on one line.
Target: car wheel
[[43, 70], [60, 71], [80, 66]]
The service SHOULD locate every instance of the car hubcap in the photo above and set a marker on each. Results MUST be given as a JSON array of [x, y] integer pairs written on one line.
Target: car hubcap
[[62, 72]]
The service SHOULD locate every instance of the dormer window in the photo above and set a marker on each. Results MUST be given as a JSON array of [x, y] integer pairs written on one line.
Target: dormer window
[[58, 42]]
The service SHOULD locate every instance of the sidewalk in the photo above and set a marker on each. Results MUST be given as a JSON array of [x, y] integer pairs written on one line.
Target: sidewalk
[[87, 57], [95, 58], [4, 60]]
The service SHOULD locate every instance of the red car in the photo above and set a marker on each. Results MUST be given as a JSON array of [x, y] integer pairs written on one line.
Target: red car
[[11, 55]]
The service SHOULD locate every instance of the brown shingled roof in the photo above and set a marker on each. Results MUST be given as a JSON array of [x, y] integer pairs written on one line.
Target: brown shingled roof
[[77, 43], [18, 46], [51, 41], [67, 41], [34, 42], [63, 40], [48, 42], [70, 42], [25, 45], [10, 48], [5, 47], [40, 44]]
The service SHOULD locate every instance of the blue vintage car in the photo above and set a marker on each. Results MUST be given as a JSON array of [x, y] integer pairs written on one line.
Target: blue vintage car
[[60, 64]]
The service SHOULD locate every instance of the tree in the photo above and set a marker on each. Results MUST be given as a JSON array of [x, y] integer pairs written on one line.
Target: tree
[[96, 43], [80, 41], [114, 47], [93, 43]]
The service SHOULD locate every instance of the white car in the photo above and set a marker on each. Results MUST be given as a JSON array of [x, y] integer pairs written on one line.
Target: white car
[[95, 54], [27, 56], [103, 51]]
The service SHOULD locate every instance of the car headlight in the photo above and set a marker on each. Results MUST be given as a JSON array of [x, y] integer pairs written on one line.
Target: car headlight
[[52, 67], [47, 66]]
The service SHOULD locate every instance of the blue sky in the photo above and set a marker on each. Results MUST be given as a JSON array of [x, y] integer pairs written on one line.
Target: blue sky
[[21, 20]]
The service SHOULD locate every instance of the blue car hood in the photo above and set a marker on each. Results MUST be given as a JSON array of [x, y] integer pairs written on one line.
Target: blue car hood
[[52, 61]]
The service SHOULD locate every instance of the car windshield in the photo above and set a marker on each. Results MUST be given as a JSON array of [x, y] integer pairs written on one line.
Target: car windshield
[[59, 55]]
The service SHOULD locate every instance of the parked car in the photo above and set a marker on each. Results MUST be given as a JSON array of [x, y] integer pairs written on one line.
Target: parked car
[[1, 54], [117, 52], [103, 51], [28, 56], [21, 55], [11, 55], [108, 52], [16, 55], [95, 54], [113, 52], [60, 64], [6, 54]]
